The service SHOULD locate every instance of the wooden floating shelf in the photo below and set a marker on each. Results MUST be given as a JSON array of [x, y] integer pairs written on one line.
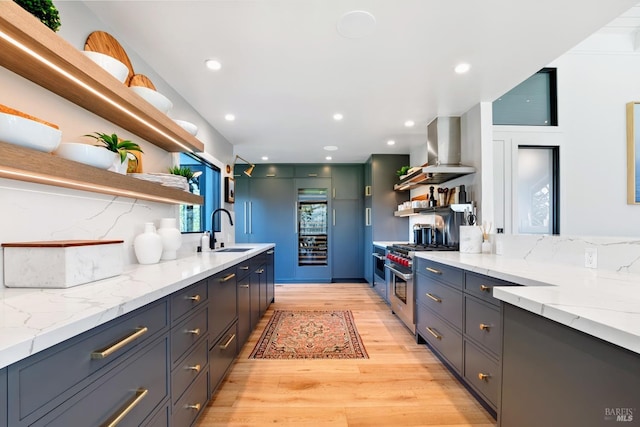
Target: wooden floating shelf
[[24, 164], [33, 51]]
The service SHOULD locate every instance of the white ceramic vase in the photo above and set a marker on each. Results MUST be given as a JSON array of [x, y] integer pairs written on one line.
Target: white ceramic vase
[[171, 238], [148, 245], [118, 166]]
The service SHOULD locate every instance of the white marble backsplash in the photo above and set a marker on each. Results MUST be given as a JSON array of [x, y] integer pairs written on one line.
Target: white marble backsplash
[[618, 254]]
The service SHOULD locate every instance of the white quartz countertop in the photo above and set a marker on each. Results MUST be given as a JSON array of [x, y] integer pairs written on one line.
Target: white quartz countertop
[[32, 320], [601, 303]]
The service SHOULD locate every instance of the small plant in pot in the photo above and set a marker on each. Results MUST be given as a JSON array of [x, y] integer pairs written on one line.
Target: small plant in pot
[[118, 146], [44, 10], [182, 171]]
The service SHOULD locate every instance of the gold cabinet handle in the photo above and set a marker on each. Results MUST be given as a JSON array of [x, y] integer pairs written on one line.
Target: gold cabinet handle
[[195, 407], [228, 277], [483, 377], [270, 252], [434, 333], [244, 286], [244, 267], [194, 298], [101, 354], [260, 271], [433, 297], [228, 343], [485, 327], [193, 368], [433, 270], [126, 408], [485, 288], [195, 331]]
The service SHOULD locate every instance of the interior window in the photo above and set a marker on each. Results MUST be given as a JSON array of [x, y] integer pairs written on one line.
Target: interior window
[[196, 218], [531, 103], [537, 190]]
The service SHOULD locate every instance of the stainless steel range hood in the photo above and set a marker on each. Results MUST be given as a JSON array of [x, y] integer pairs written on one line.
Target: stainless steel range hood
[[443, 150]]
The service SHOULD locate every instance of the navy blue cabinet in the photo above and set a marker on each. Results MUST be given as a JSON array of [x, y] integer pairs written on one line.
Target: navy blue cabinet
[[3, 397]]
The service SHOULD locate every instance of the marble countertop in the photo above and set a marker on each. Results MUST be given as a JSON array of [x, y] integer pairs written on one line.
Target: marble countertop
[[32, 320], [601, 303], [384, 244]]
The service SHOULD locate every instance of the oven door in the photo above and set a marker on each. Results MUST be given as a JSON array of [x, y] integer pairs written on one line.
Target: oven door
[[401, 295]]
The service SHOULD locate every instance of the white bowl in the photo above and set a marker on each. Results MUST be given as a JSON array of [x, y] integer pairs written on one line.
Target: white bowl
[[88, 154], [188, 126], [114, 67], [154, 98], [28, 133]]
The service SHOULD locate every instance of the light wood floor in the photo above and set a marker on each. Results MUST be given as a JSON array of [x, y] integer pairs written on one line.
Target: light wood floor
[[401, 384]]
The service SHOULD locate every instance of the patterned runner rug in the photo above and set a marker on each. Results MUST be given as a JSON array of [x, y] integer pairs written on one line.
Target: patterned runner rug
[[310, 335]]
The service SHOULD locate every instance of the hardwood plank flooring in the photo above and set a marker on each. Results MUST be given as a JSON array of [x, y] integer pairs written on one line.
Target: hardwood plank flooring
[[401, 384]]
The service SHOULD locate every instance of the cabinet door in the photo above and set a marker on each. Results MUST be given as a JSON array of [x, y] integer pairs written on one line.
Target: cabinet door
[[273, 220], [241, 210], [244, 310], [313, 171], [385, 225], [347, 182], [254, 291], [222, 302], [347, 243], [270, 276], [3, 397]]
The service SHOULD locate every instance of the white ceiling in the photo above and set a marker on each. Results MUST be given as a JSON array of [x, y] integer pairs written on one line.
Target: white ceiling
[[287, 70]]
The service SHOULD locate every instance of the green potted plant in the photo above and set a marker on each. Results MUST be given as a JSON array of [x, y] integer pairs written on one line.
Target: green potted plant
[[120, 147], [403, 171], [182, 171], [44, 10]]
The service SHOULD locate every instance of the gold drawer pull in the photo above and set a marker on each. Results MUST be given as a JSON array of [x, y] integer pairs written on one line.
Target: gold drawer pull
[[228, 277], [228, 343], [435, 334], [485, 327], [101, 354], [483, 377], [485, 288], [194, 298], [128, 407], [193, 368], [195, 331], [194, 407], [244, 286], [433, 297], [260, 271], [244, 267], [433, 270], [270, 252]]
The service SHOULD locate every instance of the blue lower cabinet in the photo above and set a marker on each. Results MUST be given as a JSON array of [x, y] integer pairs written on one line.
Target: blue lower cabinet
[[191, 404], [128, 393], [161, 418], [3, 397], [221, 356]]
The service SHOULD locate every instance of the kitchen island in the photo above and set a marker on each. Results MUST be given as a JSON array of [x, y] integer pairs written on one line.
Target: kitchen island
[[570, 341], [150, 345]]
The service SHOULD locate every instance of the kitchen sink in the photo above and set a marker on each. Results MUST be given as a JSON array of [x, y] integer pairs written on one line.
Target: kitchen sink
[[233, 249]]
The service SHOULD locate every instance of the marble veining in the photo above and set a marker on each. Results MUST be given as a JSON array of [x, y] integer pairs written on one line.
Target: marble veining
[[602, 303], [32, 320]]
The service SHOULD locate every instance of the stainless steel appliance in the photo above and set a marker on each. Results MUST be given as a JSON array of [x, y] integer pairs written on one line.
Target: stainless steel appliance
[[379, 272], [400, 263]]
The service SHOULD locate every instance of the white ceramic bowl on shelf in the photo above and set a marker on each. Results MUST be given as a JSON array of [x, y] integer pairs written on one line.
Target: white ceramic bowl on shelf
[[154, 98], [110, 64], [188, 126], [98, 157], [28, 133]]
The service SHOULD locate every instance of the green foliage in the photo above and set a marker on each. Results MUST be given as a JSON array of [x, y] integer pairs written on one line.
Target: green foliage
[[403, 170], [182, 171], [44, 10], [113, 143]]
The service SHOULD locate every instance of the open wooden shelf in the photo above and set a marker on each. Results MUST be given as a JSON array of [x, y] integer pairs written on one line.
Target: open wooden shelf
[[29, 165], [424, 177], [32, 50]]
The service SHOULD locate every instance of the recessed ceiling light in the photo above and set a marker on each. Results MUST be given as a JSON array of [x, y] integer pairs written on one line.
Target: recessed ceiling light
[[391, 142], [409, 123], [337, 117], [265, 158], [330, 147], [328, 157], [229, 117], [462, 68], [213, 64]]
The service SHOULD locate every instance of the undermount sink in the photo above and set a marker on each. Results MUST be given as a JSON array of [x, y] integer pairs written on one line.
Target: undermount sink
[[233, 249]]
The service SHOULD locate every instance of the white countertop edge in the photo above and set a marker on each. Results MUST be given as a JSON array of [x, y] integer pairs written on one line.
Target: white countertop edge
[[603, 304], [33, 319]]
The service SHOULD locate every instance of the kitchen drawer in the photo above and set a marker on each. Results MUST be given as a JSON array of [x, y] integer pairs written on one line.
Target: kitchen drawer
[[160, 418], [67, 364], [223, 304], [450, 275], [190, 298], [141, 385], [191, 404], [482, 286], [482, 323], [188, 369], [3, 397], [442, 337], [243, 269], [221, 356], [186, 334], [481, 371], [441, 299]]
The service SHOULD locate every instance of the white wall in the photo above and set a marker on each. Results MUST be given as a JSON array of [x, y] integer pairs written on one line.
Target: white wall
[[39, 212]]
